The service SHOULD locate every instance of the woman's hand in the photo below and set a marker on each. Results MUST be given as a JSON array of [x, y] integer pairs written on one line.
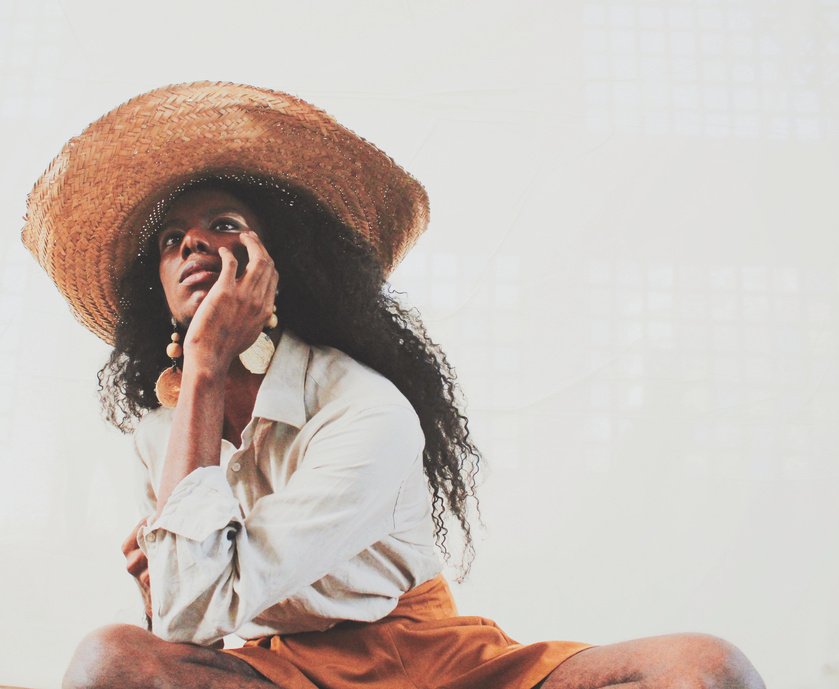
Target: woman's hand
[[235, 310], [138, 566]]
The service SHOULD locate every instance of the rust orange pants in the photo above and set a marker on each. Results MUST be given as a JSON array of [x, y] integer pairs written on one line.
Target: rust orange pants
[[422, 644]]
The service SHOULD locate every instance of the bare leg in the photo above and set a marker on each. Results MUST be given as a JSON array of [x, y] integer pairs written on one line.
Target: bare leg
[[677, 661], [127, 657]]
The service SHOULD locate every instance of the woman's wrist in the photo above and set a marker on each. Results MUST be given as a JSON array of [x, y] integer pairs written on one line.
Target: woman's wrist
[[206, 367]]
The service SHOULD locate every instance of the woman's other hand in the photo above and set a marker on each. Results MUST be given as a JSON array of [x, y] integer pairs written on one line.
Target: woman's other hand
[[137, 565]]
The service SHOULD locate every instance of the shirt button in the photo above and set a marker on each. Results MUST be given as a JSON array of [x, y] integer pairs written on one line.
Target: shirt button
[[150, 537], [235, 466]]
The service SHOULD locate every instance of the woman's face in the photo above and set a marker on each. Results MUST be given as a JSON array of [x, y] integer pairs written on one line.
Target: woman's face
[[196, 226]]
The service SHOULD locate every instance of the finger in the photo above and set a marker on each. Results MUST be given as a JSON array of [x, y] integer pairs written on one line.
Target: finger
[[272, 289], [138, 570], [136, 563], [253, 244], [264, 286], [260, 276], [229, 265], [259, 260], [264, 289], [135, 569], [131, 543], [136, 558]]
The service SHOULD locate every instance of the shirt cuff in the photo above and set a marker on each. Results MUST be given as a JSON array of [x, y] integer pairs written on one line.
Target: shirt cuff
[[201, 504]]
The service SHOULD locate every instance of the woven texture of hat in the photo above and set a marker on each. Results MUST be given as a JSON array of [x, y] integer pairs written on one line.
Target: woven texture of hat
[[85, 213]]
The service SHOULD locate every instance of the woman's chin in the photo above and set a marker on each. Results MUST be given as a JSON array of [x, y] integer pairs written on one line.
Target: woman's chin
[[187, 310]]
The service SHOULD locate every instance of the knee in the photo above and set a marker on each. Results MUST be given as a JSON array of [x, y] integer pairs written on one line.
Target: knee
[[716, 664], [106, 658]]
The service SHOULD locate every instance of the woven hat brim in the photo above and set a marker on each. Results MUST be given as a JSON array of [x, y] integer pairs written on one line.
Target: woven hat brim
[[85, 214]]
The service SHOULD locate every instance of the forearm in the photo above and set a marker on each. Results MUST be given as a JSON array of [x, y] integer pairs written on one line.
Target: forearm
[[197, 427]]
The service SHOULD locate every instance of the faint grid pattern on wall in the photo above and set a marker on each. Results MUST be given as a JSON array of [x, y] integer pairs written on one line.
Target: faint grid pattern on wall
[[717, 68], [736, 363]]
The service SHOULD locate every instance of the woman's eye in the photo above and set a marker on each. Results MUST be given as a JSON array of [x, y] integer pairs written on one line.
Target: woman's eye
[[170, 239], [227, 225]]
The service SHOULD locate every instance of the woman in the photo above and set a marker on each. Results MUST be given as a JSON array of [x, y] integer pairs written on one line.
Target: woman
[[199, 228]]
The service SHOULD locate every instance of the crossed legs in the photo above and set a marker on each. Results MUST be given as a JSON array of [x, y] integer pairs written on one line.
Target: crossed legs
[[675, 661], [126, 657]]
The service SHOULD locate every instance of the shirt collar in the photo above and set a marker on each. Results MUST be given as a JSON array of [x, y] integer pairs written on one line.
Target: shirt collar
[[281, 394]]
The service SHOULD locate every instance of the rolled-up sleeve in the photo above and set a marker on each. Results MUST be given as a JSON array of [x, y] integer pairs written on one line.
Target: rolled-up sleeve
[[212, 569]]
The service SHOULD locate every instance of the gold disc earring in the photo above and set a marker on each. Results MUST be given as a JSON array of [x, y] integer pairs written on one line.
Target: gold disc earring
[[257, 357], [168, 385]]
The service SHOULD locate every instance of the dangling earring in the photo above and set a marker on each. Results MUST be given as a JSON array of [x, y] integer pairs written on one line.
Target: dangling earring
[[257, 357], [168, 385]]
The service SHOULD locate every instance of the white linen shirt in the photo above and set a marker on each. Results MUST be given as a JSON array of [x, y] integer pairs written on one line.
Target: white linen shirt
[[321, 515]]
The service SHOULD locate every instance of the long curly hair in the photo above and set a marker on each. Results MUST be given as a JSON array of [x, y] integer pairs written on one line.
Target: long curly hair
[[334, 294]]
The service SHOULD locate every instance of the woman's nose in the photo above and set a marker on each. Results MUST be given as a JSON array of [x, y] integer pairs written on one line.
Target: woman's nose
[[195, 241]]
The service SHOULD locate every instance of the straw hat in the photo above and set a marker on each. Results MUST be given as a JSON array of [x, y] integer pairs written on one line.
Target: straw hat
[[85, 214]]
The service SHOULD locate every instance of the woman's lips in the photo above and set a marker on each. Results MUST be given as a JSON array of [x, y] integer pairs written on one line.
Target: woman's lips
[[198, 271], [200, 276]]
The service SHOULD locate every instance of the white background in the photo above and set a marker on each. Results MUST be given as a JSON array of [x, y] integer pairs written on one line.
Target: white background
[[632, 263]]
